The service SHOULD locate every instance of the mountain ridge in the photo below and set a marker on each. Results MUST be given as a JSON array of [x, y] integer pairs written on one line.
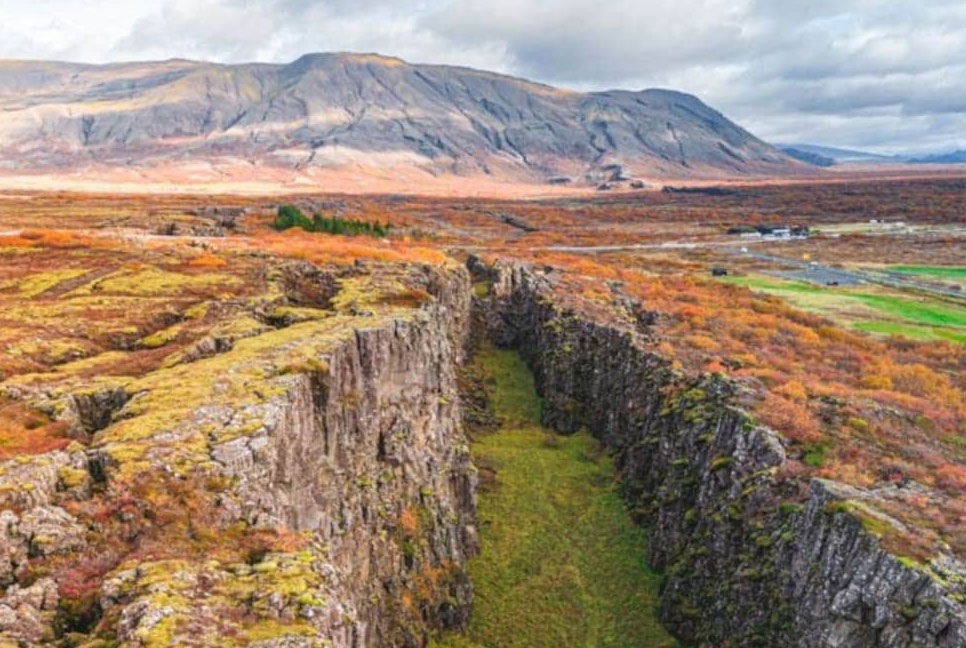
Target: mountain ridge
[[951, 157], [333, 110]]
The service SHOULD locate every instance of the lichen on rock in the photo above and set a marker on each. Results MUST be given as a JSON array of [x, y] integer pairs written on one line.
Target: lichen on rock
[[249, 490]]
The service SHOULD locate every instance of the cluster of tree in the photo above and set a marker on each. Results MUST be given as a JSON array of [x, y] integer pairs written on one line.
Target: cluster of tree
[[290, 216]]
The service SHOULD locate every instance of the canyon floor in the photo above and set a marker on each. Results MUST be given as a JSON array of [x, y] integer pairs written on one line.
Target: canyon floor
[[560, 559]]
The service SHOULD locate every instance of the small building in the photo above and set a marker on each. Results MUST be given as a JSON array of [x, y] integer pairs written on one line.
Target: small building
[[770, 231]]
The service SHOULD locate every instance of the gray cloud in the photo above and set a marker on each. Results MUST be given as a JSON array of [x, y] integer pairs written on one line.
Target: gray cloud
[[884, 74]]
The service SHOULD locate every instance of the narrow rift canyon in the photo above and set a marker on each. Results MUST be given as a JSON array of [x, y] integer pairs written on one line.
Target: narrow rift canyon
[[357, 457]]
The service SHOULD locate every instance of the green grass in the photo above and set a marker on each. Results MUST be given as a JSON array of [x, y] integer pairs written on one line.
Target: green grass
[[777, 286], [562, 564], [932, 313], [946, 272], [873, 312], [910, 331]]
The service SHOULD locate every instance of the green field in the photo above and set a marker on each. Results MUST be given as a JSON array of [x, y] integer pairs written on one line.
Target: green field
[[870, 309], [912, 332], [943, 272], [562, 565]]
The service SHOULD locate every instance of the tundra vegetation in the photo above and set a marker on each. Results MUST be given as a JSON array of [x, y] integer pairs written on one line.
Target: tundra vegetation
[[112, 333]]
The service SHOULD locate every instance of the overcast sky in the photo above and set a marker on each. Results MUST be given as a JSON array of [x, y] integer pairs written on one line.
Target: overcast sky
[[884, 75]]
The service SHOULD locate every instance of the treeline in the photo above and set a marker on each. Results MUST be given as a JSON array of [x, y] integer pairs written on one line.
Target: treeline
[[290, 216]]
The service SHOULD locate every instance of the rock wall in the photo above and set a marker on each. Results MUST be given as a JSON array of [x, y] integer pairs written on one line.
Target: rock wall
[[353, 449], [746, 562], [366, 454]]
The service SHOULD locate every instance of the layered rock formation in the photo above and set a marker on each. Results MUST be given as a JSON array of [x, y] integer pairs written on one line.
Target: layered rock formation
[[326, 111], [747, 561]]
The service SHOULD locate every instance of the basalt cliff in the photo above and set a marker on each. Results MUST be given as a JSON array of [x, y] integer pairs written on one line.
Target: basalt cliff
[[302, 483], [747, 560]]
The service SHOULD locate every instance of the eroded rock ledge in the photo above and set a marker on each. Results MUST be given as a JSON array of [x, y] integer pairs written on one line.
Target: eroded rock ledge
[[746, 563], [338, 438]]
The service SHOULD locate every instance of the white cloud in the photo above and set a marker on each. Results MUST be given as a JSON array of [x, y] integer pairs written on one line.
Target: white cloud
[[885, 74]]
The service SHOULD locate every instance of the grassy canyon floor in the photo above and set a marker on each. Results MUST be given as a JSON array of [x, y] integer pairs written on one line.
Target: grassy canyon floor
[[561, 562]]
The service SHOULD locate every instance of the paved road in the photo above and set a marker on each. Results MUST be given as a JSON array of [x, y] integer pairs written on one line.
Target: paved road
[[667, 245], [805, 270]]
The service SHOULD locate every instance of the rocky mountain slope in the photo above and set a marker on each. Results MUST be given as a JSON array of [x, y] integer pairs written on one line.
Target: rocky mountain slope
[[364, 112]]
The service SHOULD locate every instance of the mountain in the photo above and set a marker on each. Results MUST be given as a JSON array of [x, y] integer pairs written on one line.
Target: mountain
[[840, 155], [360, 112], [807, 157], [955, 157]]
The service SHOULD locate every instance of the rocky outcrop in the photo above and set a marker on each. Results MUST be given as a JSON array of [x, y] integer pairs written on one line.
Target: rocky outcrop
[[26, 612], [748, 561], [337, 439], [362, 450], [30, 482]]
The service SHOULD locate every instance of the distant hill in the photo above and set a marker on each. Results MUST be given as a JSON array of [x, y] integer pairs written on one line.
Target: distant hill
[[956, 157], [840, 155], [808, 158], [360, 112]]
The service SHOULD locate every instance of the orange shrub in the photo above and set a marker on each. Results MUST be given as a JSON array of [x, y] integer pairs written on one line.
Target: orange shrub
[[23, 432], [702, 342], [792, 419], [62, 239], [207, 261], [951, 477], [793, 390], [876, 381], [15, 242], [408, 522]]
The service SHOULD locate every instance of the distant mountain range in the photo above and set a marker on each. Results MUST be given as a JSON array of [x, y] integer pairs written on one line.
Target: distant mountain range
[[360, 112], [956, 157], [825, 156], [808, 157]]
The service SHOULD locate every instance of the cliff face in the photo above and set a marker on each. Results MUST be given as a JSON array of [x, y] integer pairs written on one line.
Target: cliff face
[[746, 563], [340, 436]]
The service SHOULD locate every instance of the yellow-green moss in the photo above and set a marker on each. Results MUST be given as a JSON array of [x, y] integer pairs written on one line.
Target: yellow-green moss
[[54, 349], [160, 338], [365, 292], [72, 477], [250, 374], [295, 314], [154, 281], [271, 629], [198, 311], [101, 361], [239, 327], [39, 283], [173, 585]]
